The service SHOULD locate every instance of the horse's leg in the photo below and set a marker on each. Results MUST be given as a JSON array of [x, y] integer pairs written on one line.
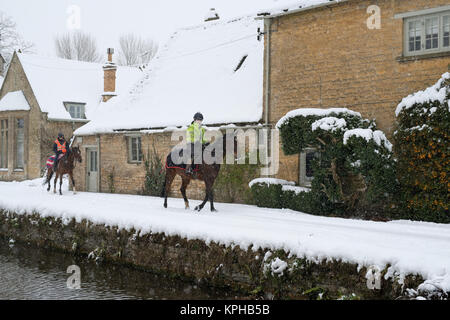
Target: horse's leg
[[185, 182], [200, 206], [60, 183], [211, 199], [49, 178], [207, 194], [170, 175], [56, 180], [73, 183]]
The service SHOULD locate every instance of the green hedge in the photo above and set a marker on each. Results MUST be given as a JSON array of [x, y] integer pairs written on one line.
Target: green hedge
[[267, 195], [273, 196], [422, 146], [355, 172]]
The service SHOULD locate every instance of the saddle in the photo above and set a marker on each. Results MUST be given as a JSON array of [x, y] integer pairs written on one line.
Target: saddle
[[171, 164], [51, 160]]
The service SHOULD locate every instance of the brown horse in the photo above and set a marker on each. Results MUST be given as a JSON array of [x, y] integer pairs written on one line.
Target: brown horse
[[65, 166], [205, 172]]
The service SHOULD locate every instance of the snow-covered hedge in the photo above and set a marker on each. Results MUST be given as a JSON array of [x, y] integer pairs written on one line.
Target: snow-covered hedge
[[267, 192], [423, 149], [356, 167]]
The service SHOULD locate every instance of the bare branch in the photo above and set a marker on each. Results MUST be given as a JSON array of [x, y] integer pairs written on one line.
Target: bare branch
[[135, 50], [10, 39], [77, 46]]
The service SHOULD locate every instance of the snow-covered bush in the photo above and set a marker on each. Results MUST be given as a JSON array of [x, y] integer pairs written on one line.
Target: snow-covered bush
[[355, 171], [267, 192], [423, 150]]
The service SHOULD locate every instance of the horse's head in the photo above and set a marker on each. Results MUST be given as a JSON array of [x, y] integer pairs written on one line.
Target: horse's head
[[77, 154]]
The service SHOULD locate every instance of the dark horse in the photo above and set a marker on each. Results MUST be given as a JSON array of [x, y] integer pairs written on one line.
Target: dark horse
[[205, 172], [65, 166]]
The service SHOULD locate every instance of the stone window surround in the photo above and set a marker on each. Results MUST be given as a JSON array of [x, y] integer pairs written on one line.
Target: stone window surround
[[4, 148], [421, 15], [303, 180], [12, 118], [129, 138]]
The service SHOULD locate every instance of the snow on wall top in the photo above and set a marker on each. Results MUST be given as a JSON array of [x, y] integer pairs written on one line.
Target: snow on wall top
[[294, 6], [1, 81], [55, 81], [14, 101], [304, 112], [433, 93], [215, 68]]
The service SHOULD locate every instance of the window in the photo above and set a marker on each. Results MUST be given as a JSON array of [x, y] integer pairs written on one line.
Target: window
[[76, 110], [427, 34], [446, 31], [93, 166], [134, 149], [3, 144], [306, 169], [20, 143]]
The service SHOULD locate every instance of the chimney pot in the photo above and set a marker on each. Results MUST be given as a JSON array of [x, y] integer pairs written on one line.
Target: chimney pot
[[110, 52], [211, 15]]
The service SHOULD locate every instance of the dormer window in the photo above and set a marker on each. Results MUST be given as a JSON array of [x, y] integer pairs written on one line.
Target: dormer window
[[76, 110]]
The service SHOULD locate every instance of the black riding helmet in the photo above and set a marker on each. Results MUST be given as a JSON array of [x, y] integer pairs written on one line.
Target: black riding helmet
[[198, 116], [60, 136]]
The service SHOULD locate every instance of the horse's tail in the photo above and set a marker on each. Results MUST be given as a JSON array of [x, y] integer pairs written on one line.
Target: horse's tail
[[49, 176]]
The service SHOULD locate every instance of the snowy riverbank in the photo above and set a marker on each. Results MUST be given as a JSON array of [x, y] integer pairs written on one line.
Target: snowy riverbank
[[408, 247]]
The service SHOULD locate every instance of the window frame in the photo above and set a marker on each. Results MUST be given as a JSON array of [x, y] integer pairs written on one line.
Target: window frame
[[81, 110], [4, 141], [139, 157], [423, 18], [17, 165]]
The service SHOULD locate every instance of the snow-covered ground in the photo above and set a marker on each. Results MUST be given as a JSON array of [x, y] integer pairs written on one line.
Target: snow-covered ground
[[409, 247]]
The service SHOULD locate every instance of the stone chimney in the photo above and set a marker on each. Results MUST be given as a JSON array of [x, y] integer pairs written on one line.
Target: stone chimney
[[109, 70], [211, 15]]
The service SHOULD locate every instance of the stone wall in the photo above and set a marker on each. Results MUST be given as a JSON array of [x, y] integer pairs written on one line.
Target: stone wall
[[242, 269], [327, 57]]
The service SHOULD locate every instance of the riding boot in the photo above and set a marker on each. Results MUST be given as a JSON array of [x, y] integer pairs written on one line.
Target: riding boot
[[189, 169]]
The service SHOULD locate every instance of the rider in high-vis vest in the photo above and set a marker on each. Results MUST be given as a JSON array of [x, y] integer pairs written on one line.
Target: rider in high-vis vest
[[60, 146], [195, 136]]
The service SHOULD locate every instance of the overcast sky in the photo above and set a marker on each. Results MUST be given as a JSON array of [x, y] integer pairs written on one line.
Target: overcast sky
[[39, 21]]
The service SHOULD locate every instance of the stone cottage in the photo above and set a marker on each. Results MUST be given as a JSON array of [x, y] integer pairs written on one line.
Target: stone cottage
[[42, 96], [364, 55], [215, 68]]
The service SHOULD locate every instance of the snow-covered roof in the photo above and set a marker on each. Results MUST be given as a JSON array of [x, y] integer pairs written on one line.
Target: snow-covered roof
[[215, 68], [14, 101], [295, 6], [55, 81]]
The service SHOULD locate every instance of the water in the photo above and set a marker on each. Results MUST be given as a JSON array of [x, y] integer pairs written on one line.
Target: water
[[30, 273]]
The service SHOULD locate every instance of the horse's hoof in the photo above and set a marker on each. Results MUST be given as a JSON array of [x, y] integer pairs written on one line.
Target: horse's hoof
[[197, 208], [214, 210], [165, 206]]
